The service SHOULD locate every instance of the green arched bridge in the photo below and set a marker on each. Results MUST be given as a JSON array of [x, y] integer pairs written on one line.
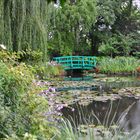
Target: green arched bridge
[[76, 62]]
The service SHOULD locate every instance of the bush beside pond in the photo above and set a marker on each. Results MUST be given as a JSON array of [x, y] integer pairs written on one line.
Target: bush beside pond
[[48, 70], [43, 69], [21, 108]]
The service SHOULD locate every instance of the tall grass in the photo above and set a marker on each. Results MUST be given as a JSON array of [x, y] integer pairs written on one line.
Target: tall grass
[[68, 133], [118, 64]]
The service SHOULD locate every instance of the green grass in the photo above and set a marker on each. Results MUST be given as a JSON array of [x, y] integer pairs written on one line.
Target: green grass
[[118, 65]]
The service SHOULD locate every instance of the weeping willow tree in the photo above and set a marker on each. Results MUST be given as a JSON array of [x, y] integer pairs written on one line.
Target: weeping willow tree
[[24, 24]]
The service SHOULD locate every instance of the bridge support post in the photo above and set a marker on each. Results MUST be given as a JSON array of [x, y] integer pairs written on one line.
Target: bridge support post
[[75, 73]]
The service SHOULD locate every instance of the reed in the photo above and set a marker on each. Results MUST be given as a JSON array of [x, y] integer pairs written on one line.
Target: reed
[[118, 65]]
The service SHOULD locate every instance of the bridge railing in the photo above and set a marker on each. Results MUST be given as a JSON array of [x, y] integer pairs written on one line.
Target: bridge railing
[[76, 62]]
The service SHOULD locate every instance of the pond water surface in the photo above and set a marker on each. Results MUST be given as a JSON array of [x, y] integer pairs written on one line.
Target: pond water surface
[[96, 101], [125, 112]]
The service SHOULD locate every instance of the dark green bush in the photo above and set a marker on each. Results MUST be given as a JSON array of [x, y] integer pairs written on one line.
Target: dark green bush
[[30, 56]]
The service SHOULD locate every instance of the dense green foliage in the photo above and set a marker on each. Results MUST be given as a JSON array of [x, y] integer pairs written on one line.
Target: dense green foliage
[[105, 27], [118, 65], [43, 70], [24, 25], [89, 27], [116, 30], [21, 109], [48, 70], [70, 27]]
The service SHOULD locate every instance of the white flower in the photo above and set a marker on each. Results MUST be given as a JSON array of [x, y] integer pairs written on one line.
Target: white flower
[[2, 47]]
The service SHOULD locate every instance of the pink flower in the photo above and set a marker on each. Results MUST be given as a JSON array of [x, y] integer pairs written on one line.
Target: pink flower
[[72, 109], [51, 89]]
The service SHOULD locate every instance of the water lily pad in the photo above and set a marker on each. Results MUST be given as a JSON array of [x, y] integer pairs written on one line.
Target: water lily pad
[[130, 91]]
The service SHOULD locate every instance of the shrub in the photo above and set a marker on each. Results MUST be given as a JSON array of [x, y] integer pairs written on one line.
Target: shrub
[[14, 81], [48, 70], [30, 56], [8, 58], [22, 111]]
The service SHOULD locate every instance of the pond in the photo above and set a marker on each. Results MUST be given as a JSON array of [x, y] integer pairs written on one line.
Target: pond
[[101, 100], [124, 112]]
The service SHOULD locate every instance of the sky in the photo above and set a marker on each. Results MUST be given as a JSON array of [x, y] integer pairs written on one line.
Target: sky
[[137, 2]]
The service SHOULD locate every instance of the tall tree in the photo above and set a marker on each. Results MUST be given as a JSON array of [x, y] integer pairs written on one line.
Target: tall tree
[[116, 19], [106, 17], [71, 24]]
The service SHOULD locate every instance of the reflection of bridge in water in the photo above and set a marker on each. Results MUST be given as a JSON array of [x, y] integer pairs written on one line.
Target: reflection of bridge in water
[[82, 78], [76, 62]]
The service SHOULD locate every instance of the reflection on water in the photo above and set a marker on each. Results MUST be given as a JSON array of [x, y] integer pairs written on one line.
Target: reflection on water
[[125, 111], [100, 84], [81, 88], [81, 78]]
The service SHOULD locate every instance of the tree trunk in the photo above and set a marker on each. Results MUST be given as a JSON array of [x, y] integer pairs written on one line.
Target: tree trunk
[[94, 40], [94, 45]]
